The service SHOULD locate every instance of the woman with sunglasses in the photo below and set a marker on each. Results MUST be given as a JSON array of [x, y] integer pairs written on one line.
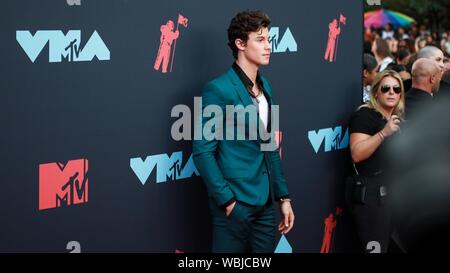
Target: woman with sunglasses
[[371, 126]]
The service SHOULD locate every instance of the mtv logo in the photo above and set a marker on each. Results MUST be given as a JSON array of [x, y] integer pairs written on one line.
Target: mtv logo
[[62, 46], [334, 139], [374, 2], [63, 184], [284, 43], [167, 168]]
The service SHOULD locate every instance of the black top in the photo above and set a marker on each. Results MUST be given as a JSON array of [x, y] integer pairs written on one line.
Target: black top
[[249, 86], [416, 100], [370, 122], [246, 80]]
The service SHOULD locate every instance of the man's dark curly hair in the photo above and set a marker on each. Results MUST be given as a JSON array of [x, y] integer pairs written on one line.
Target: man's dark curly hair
[[244, 23]]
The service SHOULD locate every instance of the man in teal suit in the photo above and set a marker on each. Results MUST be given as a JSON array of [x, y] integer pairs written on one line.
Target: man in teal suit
[[243, 180]]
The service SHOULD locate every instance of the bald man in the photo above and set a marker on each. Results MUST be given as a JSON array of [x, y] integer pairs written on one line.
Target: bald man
[[426, 77], [432, 53]]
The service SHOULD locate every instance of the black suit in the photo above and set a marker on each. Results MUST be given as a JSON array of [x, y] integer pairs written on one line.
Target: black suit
[[416, 100], [444, 91]]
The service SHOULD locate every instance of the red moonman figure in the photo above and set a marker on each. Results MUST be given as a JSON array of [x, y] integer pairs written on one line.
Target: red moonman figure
[[335, 30], [166, 39], [330, 224]]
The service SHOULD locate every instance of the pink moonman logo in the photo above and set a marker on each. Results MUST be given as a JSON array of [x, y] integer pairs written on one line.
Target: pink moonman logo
[[63, 184], [333, 38], [168, 36], [330, 224]]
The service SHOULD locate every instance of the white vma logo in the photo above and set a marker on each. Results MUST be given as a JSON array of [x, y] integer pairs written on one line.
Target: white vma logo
[[282, 43], [62, 46]]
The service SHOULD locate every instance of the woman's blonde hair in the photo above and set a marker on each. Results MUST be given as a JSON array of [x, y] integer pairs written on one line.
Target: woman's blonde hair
[[399, 109]]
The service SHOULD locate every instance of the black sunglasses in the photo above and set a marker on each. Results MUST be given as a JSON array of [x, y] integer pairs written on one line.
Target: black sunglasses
[[386, 88]]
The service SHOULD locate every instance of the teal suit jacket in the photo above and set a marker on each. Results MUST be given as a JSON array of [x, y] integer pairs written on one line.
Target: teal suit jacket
[[237, 168]]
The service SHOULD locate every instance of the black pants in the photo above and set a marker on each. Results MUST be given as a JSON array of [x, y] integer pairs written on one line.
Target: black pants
[[372, 218]]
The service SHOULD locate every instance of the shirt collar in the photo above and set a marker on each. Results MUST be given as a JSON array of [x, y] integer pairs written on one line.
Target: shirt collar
[[245, 79]]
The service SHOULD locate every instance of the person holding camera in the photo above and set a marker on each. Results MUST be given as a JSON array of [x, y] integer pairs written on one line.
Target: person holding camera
[[370, 127]]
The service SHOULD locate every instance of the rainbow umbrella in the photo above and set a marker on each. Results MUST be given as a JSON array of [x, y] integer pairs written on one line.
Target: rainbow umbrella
[[380, 18]]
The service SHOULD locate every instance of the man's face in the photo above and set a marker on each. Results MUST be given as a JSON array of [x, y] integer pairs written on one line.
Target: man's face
[[257, 48], [369, 75], [438, 56], [436, 80], [446, 65]]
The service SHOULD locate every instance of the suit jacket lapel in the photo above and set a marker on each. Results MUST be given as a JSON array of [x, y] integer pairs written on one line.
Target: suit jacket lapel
[[239, 88], [268, 91], [246, 100]]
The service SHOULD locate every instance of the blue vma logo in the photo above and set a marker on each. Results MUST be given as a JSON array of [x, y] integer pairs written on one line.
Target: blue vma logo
[[282, 43], [334, 140], [67, 47], [167, 168]]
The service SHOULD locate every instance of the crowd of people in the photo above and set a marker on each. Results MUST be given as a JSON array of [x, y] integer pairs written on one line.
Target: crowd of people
[[397, 49], [398, 201]]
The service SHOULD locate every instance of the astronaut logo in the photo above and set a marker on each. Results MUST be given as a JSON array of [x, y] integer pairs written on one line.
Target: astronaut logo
[[329, 225], [333, 38], [168, 37]]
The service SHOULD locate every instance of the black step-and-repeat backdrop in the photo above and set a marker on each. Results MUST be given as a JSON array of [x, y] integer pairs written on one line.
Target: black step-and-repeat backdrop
[[88, 163]]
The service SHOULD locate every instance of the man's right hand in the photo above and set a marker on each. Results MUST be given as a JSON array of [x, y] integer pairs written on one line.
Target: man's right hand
[[230, 208]]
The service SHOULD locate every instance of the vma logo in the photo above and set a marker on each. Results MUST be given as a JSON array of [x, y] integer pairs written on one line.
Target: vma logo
[[282, 43], [63, 185], [67, 47], [334, 139], [167, 168]]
